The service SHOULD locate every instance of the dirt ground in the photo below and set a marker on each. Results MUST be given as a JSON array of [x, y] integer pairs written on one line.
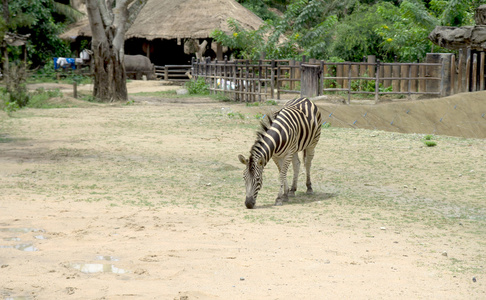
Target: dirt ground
[[146, 201]]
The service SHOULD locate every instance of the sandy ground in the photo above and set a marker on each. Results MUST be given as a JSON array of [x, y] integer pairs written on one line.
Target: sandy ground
[[146, 201]]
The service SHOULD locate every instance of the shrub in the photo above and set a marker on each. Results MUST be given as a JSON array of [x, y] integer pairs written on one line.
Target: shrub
[[198, 86]]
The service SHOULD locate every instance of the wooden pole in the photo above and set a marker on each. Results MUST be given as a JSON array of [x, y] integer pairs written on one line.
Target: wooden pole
[[453, 74], [460, 72], [272, 79], [387, 72], [481, 71], [350, 71], [345, 70], [396, 74], [75, 90], [377, 81], [468, 69], [474, 72], [414, 73], [403, 82]]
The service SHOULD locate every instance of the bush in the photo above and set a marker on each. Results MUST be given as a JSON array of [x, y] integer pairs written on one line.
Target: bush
[[199, 86]]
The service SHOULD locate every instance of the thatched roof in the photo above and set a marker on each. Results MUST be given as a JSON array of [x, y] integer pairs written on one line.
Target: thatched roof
[[169, 19]]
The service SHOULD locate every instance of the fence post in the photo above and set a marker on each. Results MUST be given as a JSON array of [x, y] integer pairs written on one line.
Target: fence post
[[292, 73], [414, 71], [404, 72], [387, 73], [321, 81], [474, 72], [350, 71], [278, 81], [443, 87], [377, 81], [259, 80], [460, 72], [396, 74], [344, 69], [339, 73], [410, 81], [468, 69], [272, 79], [481, 71], [166, 73], [371, 68], [453, 74]]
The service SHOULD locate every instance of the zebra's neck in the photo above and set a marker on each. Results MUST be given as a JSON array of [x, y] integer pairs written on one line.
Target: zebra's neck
[[263, 148]]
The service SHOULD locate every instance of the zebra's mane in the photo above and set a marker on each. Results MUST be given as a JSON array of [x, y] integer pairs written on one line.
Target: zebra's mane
[[265, 125]]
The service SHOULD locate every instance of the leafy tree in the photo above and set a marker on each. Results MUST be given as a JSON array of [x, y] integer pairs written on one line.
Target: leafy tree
[[44, 20], [351, 29]]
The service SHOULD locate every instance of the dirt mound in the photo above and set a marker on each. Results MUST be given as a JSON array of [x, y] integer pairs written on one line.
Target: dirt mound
[[462, 115]]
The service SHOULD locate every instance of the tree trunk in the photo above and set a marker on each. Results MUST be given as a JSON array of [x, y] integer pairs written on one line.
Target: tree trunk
[[109, 74], [108, 26]]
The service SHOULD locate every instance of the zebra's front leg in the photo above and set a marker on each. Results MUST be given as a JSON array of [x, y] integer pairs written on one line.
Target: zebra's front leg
[[296, 167], [308, 156], [283, 165]]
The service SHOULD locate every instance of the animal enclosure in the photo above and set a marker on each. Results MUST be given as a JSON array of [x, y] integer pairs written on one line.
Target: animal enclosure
[[440, 75]]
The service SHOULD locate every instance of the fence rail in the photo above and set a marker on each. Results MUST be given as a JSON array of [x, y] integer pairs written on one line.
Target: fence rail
[[440, 75], [173, 72]]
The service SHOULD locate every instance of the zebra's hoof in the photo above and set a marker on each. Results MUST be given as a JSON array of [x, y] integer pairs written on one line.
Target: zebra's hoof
[[291, 193], [278, 203], [309, 191]]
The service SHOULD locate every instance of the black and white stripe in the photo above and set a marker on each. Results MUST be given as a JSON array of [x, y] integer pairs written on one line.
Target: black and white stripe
[[294, 128]]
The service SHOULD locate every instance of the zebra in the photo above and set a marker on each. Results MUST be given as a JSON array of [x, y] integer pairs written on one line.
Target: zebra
[[294, 128]]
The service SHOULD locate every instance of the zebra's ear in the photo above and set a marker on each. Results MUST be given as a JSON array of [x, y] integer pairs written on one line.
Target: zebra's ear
[[242, 159]]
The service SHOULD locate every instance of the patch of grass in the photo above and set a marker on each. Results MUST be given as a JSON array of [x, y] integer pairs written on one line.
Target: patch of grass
[[40, 98], [326, 125], [428, 141], [233, 115], [166, 94]]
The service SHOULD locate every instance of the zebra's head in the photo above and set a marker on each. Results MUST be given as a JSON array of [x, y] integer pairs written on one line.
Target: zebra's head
[[253, 176]]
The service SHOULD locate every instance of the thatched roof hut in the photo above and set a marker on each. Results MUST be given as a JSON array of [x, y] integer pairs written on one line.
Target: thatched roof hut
[[167, 23]]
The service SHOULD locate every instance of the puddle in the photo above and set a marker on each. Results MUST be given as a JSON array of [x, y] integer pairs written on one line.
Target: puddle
[[12, 239], [22, 247], [24, 230], [98, 268]]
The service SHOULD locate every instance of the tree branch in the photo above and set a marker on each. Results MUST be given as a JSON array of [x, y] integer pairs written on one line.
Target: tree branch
[[95, 22], [106, 12]]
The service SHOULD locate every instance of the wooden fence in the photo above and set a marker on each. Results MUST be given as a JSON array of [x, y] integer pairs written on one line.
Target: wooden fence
[[440, 75], [173, 72]]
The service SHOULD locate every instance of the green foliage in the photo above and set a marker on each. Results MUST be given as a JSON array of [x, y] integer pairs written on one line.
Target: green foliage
[[198, 86], [428, 141], [41, 20], [48, 74], [16, 94], [348, 29], [40, 98], [238, 115]]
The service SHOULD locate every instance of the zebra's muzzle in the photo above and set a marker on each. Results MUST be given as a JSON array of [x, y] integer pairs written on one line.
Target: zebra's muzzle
[[250, 202]]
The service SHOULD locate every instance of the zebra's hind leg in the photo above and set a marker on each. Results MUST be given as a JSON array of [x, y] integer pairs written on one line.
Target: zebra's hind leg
[[308, 156], [296, 167]]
